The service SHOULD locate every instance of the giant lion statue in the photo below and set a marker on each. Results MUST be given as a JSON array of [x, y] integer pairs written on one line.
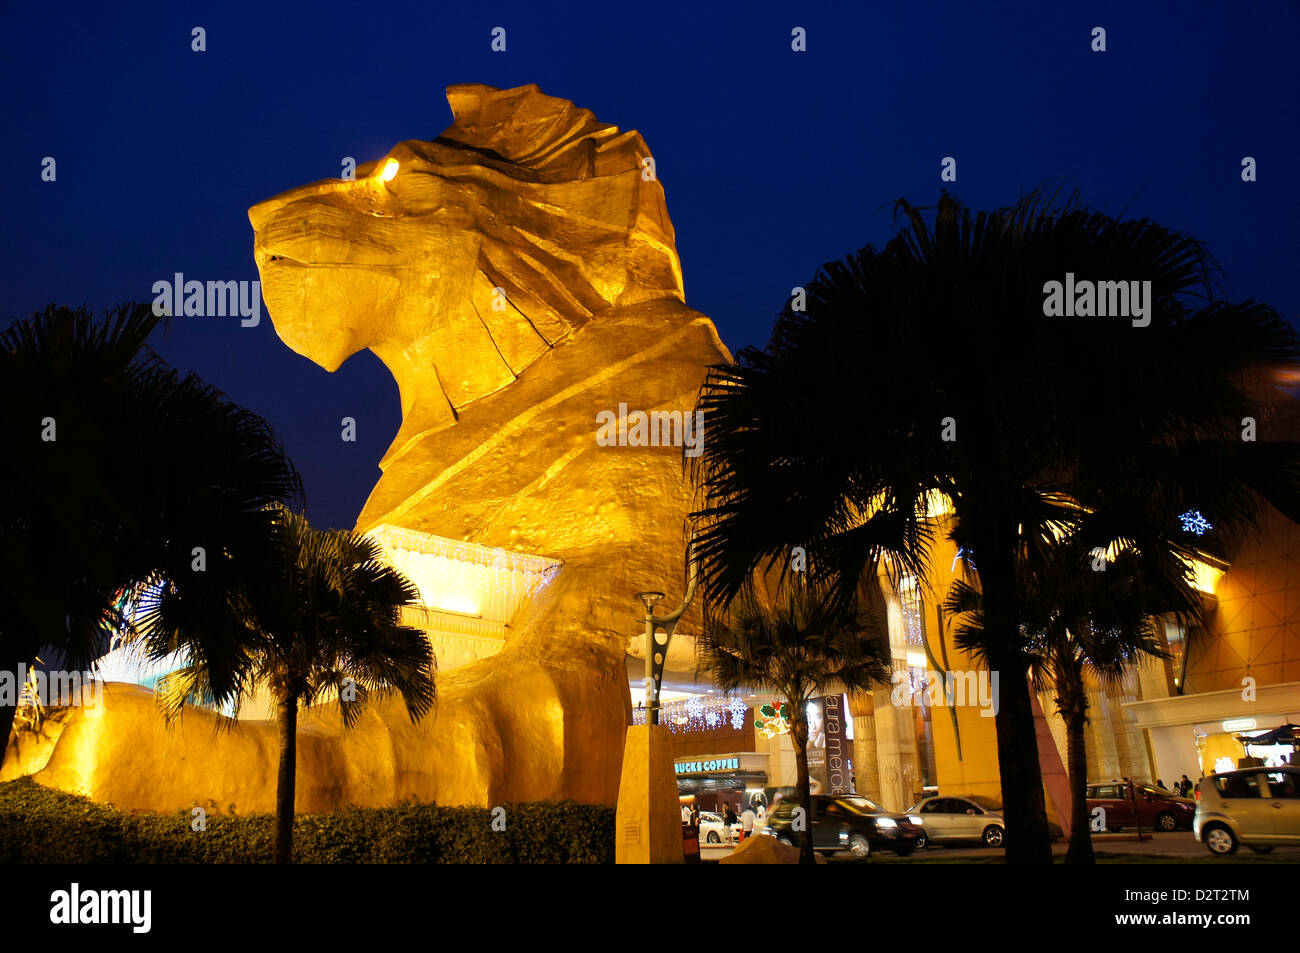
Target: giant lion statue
[[518, 276]]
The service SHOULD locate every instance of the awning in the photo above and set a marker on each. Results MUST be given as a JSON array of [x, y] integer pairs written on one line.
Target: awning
[[1281, 735]]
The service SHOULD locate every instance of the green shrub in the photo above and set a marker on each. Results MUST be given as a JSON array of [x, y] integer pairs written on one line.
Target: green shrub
[[41, 825]]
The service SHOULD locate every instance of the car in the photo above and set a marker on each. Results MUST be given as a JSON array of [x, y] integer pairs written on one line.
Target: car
[[1258, 807], [845, 822], [968, 819], [1126, 803], [713, 831]]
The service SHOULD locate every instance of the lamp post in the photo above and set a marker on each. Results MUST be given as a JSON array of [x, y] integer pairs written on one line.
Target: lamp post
[[648, 818], [658, 634]]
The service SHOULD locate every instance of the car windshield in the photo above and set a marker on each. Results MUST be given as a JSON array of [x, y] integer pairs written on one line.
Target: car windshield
[[987, 803], [861, 804]]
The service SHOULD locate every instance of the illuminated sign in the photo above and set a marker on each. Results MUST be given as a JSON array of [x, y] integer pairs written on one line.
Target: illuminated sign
[[1240, 724], [699, 767]]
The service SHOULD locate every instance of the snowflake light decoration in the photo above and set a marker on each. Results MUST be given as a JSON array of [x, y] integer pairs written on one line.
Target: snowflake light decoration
[[1193, 522], [738, 710]]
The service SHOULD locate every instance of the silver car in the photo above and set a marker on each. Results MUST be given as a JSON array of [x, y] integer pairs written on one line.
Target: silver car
[[968, 819], [1258, 807]]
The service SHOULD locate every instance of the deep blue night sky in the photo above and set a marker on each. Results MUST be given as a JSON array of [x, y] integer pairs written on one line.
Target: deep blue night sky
[[773, 161]]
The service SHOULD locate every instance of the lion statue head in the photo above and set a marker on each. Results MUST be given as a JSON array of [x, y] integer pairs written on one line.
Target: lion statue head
[[461, 261]]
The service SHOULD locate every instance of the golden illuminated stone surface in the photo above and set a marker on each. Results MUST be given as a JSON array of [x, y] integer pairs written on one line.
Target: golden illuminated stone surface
[[500, 392]]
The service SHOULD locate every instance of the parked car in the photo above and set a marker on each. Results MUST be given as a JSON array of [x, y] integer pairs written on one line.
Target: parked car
[[1258, 807], [969, 819], [713, 831], [1127, 803], [845, 822]]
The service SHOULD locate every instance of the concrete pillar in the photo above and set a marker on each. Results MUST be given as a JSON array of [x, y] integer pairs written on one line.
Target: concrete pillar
[[865, 767], [648, 821], [895, 753]]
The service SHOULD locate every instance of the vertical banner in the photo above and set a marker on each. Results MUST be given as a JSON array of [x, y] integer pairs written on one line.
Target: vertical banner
[[837, 751], [816, 745]]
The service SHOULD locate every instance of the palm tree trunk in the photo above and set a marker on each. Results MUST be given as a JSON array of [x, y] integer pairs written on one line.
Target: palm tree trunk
[[1072, 701], [287, 720], [1028, 838], [10, 712], [7, 714], [799, 737]]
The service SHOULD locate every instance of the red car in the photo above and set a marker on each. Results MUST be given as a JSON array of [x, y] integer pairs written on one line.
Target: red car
[[1126, 804]]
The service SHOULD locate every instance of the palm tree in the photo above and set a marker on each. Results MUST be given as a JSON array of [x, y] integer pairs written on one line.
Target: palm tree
[[118, 470], [1079, 622], [929, 370], [323, 623], [800, 648]]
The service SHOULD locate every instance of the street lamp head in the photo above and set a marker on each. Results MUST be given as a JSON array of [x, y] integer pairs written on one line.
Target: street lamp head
[[651, 599]]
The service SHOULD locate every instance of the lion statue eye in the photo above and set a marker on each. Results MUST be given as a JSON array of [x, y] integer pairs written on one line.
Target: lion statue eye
[[389, 170]]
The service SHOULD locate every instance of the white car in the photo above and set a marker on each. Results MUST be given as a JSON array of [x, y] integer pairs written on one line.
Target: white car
[[968, 819], [713, 831]]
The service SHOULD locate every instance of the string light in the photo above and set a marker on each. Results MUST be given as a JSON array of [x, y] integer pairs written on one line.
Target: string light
[[909, 598], [698, 713]]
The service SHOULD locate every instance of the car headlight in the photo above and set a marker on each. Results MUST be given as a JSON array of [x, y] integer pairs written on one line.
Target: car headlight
[[886, 822], [915, 820]]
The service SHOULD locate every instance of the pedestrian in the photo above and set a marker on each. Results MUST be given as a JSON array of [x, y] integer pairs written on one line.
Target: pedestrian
[[686, 813], [728, 819], [747, 824], [695, 816], [762, 812], [1161, 785], [1185, 785]]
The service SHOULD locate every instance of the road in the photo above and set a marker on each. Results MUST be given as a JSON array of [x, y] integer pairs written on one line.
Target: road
[[1179, 844]]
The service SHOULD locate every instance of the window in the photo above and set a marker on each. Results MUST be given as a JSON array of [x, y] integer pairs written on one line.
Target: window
[[1283, 784], [1237, 785], [1105, 792], [938, 806], [965, 807], [1176, 639]]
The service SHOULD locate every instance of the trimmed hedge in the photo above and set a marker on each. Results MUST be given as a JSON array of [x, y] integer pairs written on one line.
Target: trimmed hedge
[[41, 825]]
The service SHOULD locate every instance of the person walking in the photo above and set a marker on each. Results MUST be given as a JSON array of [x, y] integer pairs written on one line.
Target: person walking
[[728, 819], [747, 824]]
